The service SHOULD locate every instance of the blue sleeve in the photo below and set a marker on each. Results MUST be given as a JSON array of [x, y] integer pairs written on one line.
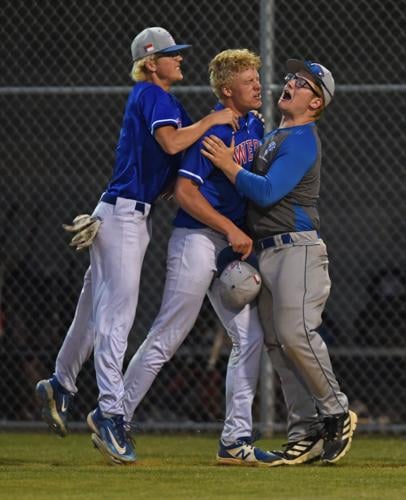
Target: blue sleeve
[[186, 120], [297, 155], [159, 109], [194, 165]]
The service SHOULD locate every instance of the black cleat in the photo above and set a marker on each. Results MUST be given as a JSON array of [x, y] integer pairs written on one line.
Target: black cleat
[[339, 430], [299, 452]]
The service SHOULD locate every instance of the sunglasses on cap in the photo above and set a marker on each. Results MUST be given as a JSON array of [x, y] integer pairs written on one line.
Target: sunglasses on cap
[[159, 55], [300, 82]]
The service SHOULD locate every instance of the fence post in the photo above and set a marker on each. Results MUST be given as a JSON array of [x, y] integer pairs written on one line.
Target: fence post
[[266, 385]]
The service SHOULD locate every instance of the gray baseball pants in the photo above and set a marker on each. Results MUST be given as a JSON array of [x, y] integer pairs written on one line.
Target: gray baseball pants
[[296, 285]]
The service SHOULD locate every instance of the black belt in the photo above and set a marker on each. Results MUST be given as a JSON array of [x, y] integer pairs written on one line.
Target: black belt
[[112, 199], [273, 241]]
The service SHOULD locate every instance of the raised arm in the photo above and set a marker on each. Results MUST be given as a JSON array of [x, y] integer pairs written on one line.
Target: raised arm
[[173, 140], [287, 169]]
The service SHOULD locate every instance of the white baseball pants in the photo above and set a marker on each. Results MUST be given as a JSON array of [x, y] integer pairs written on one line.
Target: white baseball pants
[[191, 265], [107, 304]]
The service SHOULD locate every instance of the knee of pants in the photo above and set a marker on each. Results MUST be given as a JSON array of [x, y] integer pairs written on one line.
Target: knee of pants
[[290, 328], [108, 347], [106, 326], [244, 339]]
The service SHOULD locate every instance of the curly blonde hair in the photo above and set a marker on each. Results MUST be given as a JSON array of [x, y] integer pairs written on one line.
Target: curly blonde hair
[[227, 63]]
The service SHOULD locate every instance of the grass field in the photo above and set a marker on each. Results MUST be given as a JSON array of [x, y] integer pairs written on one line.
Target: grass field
[[42, 466]]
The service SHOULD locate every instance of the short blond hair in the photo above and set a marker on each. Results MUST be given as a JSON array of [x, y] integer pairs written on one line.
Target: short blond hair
[[227, 63], [139, 72]]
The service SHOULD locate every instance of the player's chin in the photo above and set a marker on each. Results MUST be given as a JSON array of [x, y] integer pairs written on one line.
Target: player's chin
[[256, 104]]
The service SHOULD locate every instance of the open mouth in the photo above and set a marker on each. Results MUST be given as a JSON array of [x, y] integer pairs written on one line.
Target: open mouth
[[286, 96]]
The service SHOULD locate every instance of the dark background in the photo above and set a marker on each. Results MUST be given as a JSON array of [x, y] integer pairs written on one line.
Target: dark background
[[57, 151]]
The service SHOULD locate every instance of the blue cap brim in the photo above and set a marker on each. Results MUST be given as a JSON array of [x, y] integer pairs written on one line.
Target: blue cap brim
[[174, 48]]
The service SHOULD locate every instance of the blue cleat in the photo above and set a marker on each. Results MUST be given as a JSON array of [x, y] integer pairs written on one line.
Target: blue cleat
[[110, 438], [242, 452], [54, 401]]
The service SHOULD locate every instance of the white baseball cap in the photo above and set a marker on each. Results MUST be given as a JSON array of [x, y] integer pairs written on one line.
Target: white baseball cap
[[322, 76], [152, 41]]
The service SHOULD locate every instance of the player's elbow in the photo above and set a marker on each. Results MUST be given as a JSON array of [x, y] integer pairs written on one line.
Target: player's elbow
[[171, 148], [168, 147]]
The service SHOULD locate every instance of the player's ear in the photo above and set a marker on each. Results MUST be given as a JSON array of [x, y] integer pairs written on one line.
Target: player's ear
[[316, 103], [227, 92], [150, 64]]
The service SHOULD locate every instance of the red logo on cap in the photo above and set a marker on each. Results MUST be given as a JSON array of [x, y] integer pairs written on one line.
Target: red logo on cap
[[149, 47]]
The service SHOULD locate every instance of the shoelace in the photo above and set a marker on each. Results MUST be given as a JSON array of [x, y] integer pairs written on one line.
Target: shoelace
[[249, 441], [333, 428], [132, 427], [118, 424], [129, 429], [242, 442]]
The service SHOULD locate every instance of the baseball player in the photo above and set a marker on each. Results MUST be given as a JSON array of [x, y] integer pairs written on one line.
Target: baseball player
[[284, 221], [155, 130], [210, 218]]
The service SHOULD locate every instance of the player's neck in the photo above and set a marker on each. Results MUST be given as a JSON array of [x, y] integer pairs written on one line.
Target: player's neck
[[229, 104], [164, 83]]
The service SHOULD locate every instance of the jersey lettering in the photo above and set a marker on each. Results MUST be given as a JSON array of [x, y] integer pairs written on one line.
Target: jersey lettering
[[244, 152]]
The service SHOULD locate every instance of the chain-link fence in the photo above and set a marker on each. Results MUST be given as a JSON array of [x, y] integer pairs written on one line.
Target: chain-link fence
[[64, 81]]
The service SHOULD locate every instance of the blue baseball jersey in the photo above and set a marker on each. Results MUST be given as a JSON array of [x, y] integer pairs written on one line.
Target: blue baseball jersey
[[214, 185], [142, 168]]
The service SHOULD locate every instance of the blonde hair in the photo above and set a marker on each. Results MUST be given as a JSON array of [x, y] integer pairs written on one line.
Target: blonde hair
[[139, 71], [227, 63]]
